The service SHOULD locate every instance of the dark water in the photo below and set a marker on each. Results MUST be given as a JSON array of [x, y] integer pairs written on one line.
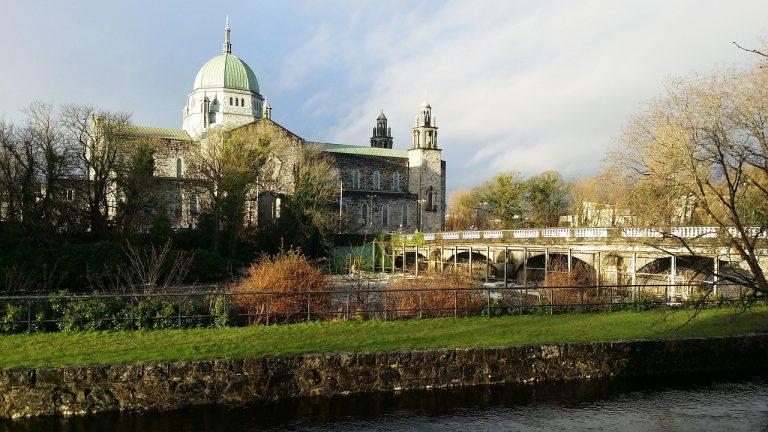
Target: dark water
[[734, 403]]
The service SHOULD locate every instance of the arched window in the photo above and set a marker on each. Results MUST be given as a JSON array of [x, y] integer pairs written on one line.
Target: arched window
[[179, 167], [376, 180], [364, 214], [404, 220], [385, 215], [430, 199], [396, 181], [356, 178], [193, 204], [242, 102], [230, 100]]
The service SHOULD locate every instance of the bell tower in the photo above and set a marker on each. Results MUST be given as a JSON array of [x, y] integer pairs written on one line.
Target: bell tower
[[426, 172], [382, 135], [425, 129]]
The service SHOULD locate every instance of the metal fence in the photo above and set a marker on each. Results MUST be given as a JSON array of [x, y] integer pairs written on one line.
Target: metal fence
[[219, 308]]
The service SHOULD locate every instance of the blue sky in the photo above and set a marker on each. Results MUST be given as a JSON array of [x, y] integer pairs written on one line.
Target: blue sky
[[516, 85]]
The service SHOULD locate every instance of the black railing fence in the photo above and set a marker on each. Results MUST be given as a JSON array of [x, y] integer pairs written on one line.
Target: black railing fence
[[217, 308]]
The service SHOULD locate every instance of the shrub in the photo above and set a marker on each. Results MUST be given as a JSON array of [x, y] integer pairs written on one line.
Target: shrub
[[290, 281], [13, 318], [86, 314], [221, 310], [432, 296]]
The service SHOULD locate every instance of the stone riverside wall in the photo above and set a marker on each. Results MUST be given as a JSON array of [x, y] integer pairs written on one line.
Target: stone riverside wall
[[172, 385]]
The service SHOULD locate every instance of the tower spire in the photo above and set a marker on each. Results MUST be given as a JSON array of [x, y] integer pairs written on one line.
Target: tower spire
[[227, 45]]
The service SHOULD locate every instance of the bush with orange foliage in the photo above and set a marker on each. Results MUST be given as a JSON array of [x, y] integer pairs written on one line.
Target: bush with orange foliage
[[431, 295], [281, 287], [581, 275]]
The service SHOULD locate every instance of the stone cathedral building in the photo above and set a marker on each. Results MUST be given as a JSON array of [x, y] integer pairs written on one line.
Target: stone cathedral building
[[383, 188]]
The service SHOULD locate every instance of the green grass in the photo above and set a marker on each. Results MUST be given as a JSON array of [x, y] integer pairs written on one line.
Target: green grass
[[57, 349]]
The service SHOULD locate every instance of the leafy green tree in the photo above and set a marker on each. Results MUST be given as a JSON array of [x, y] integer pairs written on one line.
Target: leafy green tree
[[546, 198], [310, 218], [502, 199], [136, 183], [228, 165]]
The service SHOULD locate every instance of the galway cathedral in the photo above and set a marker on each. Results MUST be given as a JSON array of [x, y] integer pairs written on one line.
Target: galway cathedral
[[382, 188]]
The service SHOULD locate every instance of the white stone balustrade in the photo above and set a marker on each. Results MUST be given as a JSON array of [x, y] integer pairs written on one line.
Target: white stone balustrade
[[556, 232], [525, 233], [690, 232]]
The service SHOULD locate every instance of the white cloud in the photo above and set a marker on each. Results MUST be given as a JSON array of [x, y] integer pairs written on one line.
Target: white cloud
[[529, 87]]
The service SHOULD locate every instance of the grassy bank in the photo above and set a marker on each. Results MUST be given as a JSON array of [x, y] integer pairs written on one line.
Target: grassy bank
[[56, 349]]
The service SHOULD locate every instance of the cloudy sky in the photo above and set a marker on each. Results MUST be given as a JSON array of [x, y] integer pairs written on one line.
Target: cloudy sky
[[516, 85]]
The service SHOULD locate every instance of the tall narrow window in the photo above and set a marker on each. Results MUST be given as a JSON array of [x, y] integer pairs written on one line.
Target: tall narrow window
[[230, 101], [396, 181], [430, 199], [242, 102], [356, 178], [193, 204], [376, 180], [364, 214], [385, 215], [178, 167], [177, 209], [404, 220]]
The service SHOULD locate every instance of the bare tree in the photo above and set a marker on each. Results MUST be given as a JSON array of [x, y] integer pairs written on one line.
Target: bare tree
[[35, 166], [98, 138], [703, 148], [228, 165]]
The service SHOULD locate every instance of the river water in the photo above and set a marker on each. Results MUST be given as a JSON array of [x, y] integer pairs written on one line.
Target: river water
[[721, 403]]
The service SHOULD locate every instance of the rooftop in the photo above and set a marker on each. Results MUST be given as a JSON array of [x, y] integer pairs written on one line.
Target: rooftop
[[157, 132], [362, 150]]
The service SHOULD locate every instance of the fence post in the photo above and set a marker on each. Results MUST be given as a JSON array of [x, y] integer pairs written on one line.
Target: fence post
[[347, 305], [489, 302], [309, 301], [385, 305], [610, 298], [269, 302], [29, 315], [455, 303], [581, 298], [420, 305], [178, 305]]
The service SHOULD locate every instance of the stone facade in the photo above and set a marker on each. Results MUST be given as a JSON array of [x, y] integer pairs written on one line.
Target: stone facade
[[385, 189], [166, 386]]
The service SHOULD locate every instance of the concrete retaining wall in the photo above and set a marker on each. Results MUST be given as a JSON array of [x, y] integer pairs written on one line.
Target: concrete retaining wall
[[171, 385]]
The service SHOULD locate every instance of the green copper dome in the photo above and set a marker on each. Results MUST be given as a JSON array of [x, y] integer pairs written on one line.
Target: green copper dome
[[226, 71]]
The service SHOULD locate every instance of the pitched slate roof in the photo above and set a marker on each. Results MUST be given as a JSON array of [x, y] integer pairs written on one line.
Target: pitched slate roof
[[156, 132], [362, 150]]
